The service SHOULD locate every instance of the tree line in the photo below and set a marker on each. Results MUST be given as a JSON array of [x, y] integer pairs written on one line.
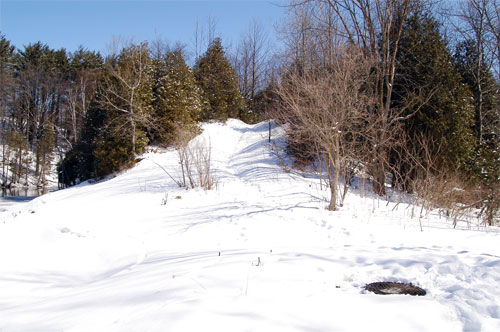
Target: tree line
[[387, 88], [99, 113]]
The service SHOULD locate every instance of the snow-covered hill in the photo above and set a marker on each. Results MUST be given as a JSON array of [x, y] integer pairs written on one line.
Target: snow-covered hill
[[258, 253]]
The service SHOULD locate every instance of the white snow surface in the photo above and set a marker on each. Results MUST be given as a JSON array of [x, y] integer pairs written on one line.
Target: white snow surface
[[258, 253]]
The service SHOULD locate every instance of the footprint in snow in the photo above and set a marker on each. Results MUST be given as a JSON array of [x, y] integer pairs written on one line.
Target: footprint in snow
[[66, 230], [494, 311]]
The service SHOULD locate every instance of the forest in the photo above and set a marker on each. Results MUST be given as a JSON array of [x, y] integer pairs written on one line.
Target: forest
[[393, 90]]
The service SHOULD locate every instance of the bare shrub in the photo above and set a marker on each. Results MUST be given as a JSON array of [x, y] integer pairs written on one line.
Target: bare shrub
[[195, 159], [449, 194], [200, 155], [436, 187], [181, 144]]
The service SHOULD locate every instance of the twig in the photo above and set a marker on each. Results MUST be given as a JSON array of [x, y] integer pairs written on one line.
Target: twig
[[176, 181]]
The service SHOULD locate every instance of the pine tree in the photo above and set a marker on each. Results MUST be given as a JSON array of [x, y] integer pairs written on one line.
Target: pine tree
[[437, 103], [6, 52], [85, 59], [6, 76], [177, 100], [219, 84]]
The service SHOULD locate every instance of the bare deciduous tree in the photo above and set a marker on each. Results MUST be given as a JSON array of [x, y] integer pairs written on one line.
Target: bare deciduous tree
[[376, 27], [203, 37], [78, 98], [298, 35], [473, 26], [331, 107], [493, 26], [127, 87], [250, 60]]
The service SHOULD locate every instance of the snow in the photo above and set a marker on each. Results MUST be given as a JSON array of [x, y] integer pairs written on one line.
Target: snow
[[258, 253]]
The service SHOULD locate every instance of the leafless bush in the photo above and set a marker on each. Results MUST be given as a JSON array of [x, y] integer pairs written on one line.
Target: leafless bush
[[449, 194], [195, 159], [436, 187], [200, 155], [181, 143]]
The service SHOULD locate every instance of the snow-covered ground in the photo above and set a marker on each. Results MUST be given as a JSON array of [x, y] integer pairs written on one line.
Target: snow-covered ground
[[258, 253]]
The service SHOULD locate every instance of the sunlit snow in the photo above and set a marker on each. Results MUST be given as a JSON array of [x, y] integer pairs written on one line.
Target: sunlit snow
[[260, 252]]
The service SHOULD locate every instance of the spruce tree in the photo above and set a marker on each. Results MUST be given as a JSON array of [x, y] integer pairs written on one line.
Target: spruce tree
[[219, 84], [176, 97]]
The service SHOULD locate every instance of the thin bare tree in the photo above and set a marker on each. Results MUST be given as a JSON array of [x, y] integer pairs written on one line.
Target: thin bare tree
[[493, 26], [251, 59], [473, 26], [79, 94], [298, 35], [126, 89], [376, 27], [203, 35], [331, 108]]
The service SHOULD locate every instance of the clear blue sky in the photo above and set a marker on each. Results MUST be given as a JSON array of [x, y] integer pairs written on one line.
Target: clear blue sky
[[93, 24]]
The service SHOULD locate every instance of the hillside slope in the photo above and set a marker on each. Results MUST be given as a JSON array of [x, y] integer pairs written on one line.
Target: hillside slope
[[258, 253]]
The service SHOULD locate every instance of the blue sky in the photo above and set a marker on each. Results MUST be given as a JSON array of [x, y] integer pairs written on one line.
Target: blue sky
[[93, 23]]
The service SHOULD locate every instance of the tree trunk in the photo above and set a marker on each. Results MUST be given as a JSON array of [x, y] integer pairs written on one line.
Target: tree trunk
[[133, 139], [333, 187], [269, 130], [378, 174], [333, 178]]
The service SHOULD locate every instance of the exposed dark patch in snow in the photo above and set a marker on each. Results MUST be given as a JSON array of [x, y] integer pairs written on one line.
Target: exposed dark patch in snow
[[388, 287]]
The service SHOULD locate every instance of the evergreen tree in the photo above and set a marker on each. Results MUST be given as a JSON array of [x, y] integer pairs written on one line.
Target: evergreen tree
[[437, 103], [79, 163], [219, 85], [6, 52], [176, 97], [127, 95], [115, 125], [85, 59], [485, 167], [101, 149], [484, 88], [6, 77]]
